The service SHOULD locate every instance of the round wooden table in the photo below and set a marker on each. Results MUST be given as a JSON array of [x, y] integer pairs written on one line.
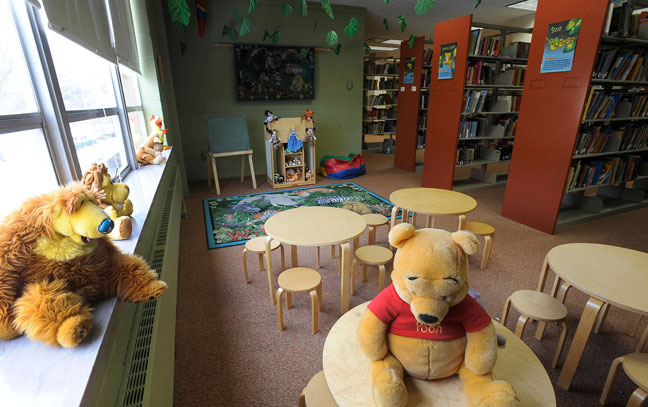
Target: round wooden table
[[315, 226], [610, 275], [348, 373], [431, 202]]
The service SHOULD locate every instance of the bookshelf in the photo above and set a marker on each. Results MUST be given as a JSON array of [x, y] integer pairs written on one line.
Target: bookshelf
[[426, 76], [380, 92], [473, 116], [590, 163]]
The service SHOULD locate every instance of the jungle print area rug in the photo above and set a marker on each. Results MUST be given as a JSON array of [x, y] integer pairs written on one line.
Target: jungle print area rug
[[233, 220]]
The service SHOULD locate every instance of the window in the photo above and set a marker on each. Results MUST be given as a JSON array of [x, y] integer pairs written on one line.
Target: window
[[134, 106]]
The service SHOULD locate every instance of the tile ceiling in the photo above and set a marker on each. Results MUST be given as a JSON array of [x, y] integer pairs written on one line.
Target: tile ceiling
[[489, 11]]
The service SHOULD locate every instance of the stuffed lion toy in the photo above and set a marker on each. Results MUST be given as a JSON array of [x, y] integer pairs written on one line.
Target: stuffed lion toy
[[114, 199], [55, 261], [151, 151], [426, 325]]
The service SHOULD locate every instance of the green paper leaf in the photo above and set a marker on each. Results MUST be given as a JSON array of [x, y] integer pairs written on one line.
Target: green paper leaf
[[337, 49], [301, 7], [237, 15], [303, 53], [286, 9], [402, 22], [386, 1], [233, 35], [315, 25], [326, 5], [226, 30], [252, 6], [180, 14], [246, 26], [412, 40], [331, 37], [352, 28], [366, 48], [386, 24], [275, 36], [423, 6], [478, 3], [266, 34]]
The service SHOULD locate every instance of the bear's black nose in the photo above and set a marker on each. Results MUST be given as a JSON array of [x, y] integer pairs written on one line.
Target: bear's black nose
[[429, 319]]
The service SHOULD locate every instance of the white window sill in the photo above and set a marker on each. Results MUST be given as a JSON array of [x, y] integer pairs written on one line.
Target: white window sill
[[33, 374]]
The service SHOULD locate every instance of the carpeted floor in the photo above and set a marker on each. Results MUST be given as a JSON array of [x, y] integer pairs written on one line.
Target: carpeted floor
[[229, 351]]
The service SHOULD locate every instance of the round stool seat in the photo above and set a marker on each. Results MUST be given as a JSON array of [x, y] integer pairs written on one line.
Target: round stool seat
[[257, 245], [374, 219], [538, 305], [374, 255], [317, 393], [479, 228], [298, 279], [636, 367]]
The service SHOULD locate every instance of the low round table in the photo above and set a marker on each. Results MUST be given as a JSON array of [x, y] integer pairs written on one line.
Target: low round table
[[431, 202], [315, 226], [348, 373]]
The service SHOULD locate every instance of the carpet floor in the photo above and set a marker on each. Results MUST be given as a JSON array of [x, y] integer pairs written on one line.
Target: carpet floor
[[229, 351]]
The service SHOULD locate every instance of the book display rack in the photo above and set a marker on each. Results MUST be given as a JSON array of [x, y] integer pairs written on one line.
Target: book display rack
[[589, 159], [380, 90]]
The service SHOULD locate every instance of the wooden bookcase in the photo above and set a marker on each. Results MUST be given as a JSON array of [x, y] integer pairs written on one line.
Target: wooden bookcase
[[473, 133], [380, 92], [542, 191], [426, 74], [300, 164]]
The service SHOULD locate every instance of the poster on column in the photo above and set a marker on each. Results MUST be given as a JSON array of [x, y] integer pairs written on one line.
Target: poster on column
[[560, 46], [410, 65], [447, 61]]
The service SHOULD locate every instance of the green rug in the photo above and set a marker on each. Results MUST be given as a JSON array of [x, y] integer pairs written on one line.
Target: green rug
[[233, 220]]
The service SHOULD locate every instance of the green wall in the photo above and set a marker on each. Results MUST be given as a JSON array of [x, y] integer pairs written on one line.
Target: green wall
[[204, 81]]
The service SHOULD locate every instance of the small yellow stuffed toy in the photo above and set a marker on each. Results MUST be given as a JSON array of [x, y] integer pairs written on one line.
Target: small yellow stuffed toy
[[151, 151], [426, 325]]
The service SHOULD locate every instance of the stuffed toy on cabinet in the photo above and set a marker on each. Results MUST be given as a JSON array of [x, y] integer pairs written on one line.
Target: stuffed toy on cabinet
[[427, 326], [55, 261]]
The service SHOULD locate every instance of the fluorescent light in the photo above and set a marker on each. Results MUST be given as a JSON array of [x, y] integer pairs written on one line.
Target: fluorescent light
[[476, 28], [530, 5], [375, 48], [392, 42]]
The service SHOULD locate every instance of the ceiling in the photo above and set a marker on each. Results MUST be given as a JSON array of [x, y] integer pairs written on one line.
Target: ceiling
[[489, 11]]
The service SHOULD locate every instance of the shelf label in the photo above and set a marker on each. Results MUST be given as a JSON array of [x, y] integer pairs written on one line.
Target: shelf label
[[402, 89], [413, 88]]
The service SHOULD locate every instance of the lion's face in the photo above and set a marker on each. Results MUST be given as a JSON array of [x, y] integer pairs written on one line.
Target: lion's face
[[81, 219]]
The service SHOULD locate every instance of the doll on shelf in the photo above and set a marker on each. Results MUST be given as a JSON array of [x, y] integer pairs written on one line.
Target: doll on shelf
[[294, 143], [274, 138], [310, 135]]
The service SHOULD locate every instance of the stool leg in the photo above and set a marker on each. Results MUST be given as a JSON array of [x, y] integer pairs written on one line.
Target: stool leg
[[288, 299], [601, 318], [642, 341], [261, 268], [245, 267], [279, 309], [611, 378], [315, 310], [561, 343], [381, 277], [332, 251], [507, 305], [637, 398], [318, 289], [302, 398], [371, 239], [487, 250], [354, 268], [319, 266], [519, 328], [462, 222], [364, 273], [283, 258], [293, 255], [430, 221]]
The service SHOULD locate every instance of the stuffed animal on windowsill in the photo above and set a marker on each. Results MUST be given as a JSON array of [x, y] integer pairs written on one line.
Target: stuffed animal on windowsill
[[151, 151], [158, 127], [426, 324], [56, 261], [113, 199]]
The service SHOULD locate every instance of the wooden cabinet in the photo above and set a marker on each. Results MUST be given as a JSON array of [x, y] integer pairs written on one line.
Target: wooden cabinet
[[294, 168]]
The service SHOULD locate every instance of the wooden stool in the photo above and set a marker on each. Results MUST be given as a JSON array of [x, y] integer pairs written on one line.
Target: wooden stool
[[300, 280], [541, 307], [635, 365], [257, 245], [374, 256], [488, 232], [373, 221], [317, 393]]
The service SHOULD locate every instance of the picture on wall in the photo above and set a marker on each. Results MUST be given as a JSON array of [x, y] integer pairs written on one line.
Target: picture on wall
[[560, 44], [274, 73]]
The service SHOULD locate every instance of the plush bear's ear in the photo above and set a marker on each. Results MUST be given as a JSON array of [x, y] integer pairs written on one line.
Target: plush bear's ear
[[467, 241], [400, 233]]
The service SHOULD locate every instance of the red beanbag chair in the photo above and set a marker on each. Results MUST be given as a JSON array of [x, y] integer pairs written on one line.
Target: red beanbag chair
[[350, 166]]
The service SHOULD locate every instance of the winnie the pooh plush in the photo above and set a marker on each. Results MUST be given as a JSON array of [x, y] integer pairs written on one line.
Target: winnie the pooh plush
[[114, 199], [426, 325], [55, 261]]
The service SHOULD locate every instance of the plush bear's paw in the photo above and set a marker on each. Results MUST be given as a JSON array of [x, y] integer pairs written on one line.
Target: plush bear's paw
[[74, 330], [150, 292], [159, 159], [499, 394], [389, 389], [7, 331]]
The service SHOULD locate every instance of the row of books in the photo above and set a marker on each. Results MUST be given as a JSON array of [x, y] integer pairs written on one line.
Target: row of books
[[379, 84], [517, 50], [468, 153], [422, 119], [427, 76], [379, 127], [420, 140], [427, 57], [473, 128], [474, 101], [378, 114], [638, 107], [479, 73], [372, 68], [622, 65], [611, 170], [605, 139], [511, 76], [600, 104], [487, 127], [424, 101], [486, 46], [621, 22], [377, 100]]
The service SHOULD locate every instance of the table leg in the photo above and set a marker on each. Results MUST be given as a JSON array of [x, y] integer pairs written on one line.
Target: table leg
[[293, 255], [583, 331], [543, 275], [414, 218], [268, 261], [345, 255], [633, 324], [430, 221]]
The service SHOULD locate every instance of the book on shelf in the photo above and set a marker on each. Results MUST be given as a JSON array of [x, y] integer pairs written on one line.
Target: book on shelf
[[611, 170], [373, 68], [516, 49], [600, 104], [484, 46], [513, 76], [474, 101], [424, 101], [380, 84], [427, 57], [379, 100], [420, 140], [621, 21]]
